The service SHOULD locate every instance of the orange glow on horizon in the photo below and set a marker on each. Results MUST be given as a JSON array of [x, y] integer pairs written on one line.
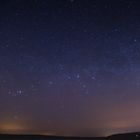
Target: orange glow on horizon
[[11, 128]]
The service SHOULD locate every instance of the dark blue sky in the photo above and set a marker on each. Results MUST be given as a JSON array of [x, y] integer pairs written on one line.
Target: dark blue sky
[[69, 67]]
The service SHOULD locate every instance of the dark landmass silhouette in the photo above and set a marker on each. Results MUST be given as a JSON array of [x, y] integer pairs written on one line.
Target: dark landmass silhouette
[[124, 136], [42, 137]]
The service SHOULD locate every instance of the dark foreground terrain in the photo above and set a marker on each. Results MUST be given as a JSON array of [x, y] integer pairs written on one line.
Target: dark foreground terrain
[[127, 136]]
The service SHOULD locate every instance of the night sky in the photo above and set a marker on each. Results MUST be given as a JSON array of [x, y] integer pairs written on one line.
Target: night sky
[[69, 67]]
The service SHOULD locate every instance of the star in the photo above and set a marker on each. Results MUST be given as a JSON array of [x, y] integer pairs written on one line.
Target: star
[[50, 82], [77, 76], [135, 40], [93, 78], [19, 91]]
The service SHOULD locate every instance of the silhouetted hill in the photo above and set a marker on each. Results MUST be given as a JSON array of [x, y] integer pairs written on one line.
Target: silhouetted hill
[[125, 136], [41, 137]]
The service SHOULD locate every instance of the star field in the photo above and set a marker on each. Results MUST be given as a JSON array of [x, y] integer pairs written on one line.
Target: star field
[[69, 67]]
